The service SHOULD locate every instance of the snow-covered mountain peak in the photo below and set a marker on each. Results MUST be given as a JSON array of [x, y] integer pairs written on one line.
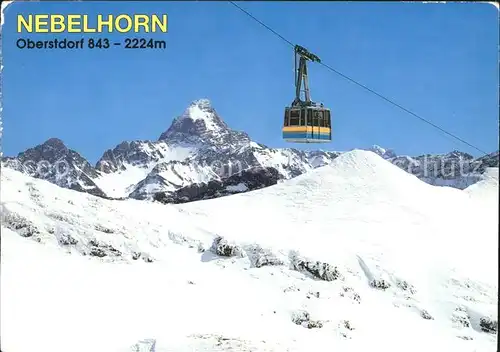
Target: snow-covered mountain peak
[[51, 151], [55, 162], [385, 153], [360, 167], [202, 110], [196, 143], [199, 120], [199, 147]]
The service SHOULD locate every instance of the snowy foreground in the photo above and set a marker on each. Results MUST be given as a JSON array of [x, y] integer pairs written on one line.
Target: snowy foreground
[[411, 267]]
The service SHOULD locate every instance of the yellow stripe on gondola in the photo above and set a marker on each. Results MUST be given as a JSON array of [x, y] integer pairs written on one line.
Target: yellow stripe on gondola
[[306, 129]]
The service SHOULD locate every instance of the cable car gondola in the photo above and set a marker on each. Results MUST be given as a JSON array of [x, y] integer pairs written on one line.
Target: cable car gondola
[[306, 121]]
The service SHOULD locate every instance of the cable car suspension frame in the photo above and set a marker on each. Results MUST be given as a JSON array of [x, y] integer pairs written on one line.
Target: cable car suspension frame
[[305, 121], [302, 55]]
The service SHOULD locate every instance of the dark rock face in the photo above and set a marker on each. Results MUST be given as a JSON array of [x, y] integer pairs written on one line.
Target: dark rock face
[[488, 325], [98, 249], [245, 181], [490, 160], [303, 318], [54, 162], [201, 124], [200, 157]]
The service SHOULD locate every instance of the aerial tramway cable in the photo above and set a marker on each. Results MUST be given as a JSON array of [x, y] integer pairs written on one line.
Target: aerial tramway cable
[[408, 111]]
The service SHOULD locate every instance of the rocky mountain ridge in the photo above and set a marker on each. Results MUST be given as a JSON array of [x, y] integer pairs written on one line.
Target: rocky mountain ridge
[[200, 154]]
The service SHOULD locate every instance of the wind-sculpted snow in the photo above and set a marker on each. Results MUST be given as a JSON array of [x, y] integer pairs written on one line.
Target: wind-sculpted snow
[[352, 256], [487, 187]]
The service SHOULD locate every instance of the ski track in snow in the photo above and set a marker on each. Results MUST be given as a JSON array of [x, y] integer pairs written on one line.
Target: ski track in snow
[[431, 251]]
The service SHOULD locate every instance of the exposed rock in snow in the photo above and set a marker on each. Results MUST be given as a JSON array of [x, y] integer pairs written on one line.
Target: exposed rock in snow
[[303, 318], [198, 148], [317, 269], [54, 162], [366, 218], [201, 125], [489, 325], [223, 248], [260, 257], [247, 180]]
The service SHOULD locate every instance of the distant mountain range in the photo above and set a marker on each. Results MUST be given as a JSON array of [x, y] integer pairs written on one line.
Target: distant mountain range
[[199, 156]]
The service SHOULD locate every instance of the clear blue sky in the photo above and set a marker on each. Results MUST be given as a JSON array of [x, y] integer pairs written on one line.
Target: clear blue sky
[[440, 60]]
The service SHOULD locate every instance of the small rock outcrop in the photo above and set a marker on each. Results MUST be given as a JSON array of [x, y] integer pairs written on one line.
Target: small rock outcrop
[[200, 157], [488, 325], [56, 163], [317, 269], [303, 318], [223, 248]]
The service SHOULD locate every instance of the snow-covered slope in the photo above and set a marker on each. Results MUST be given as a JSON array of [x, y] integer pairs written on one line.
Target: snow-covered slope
[[357, 255], [200, 147], [487, 188]]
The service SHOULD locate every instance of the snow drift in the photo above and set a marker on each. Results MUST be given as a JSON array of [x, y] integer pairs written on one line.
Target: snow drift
[[350, 256]]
